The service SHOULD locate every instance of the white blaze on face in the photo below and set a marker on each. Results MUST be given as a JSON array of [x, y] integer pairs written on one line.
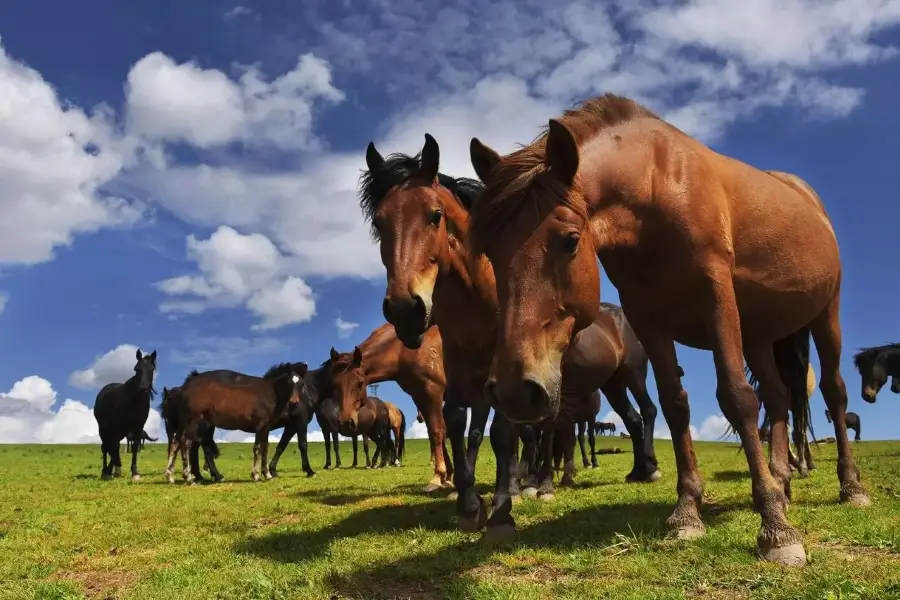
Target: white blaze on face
[[295, 379]]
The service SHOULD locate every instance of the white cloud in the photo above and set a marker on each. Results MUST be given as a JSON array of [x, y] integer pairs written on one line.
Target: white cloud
[[54, 158], [116, 366], [344, 328], [26, 416], [712, 428], [238, 11], [170, 102], [417, 431], [237, 269]]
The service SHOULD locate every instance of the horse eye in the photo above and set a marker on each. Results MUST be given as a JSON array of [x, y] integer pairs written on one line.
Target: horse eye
[[436, 217], [570, 243]]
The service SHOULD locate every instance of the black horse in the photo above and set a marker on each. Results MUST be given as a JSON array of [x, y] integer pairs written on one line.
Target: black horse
[[851, 420], [875, 365], [140, 440], [601, 426], [121, 411], [169, 411]]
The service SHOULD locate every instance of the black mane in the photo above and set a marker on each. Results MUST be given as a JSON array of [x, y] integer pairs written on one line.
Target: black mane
[[399, 169], [278, 370], [193, 373], [867, 355]]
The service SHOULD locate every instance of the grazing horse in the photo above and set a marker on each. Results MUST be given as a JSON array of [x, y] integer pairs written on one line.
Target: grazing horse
[[421, 219], [601, 426], [232, 400], [121, 411], [419, 372], [853, 423], [875, 365], [169, 410], [703, 249]]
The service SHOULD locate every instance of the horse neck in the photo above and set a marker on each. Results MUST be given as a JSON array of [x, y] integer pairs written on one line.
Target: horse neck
[[465, 283], [133, 385], [890, 359], [381, 355]]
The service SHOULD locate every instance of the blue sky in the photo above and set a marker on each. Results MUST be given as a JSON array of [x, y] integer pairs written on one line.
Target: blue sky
[[180, 176]]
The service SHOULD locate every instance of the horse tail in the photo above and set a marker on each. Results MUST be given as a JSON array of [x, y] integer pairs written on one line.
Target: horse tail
[[792, 359], [731, 429], [401, 443], [147, 437]]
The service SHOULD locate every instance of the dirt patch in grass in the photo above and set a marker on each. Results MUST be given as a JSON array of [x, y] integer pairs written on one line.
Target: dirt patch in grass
[[378, 589], [98, 583], [528, 570]]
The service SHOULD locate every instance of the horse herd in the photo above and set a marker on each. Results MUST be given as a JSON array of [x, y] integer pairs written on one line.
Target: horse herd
[[493, 301]]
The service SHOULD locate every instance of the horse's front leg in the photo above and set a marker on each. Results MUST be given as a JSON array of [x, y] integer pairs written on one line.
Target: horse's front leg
[[135, 448], [501, 527], [470, 508], [257, 446], [283, 443], [304, 450], [173, 453], [264, 456]]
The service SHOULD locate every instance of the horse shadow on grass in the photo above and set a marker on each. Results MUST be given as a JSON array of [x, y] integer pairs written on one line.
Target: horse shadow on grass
[[447, 570], [342, 496]]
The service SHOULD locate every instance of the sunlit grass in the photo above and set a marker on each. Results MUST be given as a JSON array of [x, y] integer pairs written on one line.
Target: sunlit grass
[[373, 534]]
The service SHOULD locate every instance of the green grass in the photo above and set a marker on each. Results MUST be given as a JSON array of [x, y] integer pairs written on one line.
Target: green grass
[[372, 534]]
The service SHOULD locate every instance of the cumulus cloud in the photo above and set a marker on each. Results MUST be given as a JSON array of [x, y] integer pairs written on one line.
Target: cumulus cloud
[[237, 269], [712, 428], [344, 328], [27, 416], [54, 160], [170, 102], [116, 366], [416, 431]]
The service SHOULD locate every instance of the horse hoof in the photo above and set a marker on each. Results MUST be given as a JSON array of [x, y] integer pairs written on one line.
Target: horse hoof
[[273, 473], [254, 477], [530, 492], [688, 532], [499, 535], [326, 468], [268, 476], [471, 524], [548, 497], [432, 487], [566, 482], [633, 478], [859, 500], [792, 555], [310, 474], [453, 495], [170, 479], [135, 477], [595, 466], [106, 477]]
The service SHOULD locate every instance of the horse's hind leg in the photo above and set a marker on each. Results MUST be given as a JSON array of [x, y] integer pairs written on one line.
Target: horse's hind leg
[[826, 333], [173, 453], [636, 382], [337, 449], [257, 447], [567, 437], [106, 473], [366, 450], [304, 450], [135, 448], [592, 441], [644, 469], [264, 456], [545, 463], [327, 439]]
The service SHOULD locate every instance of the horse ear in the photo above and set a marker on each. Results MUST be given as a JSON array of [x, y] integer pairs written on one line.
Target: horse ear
[[357, 357], [562, 152], [153, 357], [374, 160], [483, 158], [431, 158], [334, 355], [301, 368], [138, 354]]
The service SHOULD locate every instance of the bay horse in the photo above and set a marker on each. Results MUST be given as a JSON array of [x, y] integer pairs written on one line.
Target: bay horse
[[326, 412], [169, 410], [419, 372], [121, 411], [421, 218], [370, 417], [853, 423], [232, 400], [875, 364], [703, 249]]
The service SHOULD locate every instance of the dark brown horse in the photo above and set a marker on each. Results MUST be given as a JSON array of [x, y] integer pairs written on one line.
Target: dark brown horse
[[121, 411], [853, 423], [231, 400], [170, 410], [875, 365], [419, 372], [702, 248]]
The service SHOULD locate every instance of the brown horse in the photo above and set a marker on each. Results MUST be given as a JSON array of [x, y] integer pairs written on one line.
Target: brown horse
[[369, 417], [231, 400], [398, 427], [419, 372], [170, 410], [703, 249], [421, 218]]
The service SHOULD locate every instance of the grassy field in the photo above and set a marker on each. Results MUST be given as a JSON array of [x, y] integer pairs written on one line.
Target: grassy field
[[373, 534]]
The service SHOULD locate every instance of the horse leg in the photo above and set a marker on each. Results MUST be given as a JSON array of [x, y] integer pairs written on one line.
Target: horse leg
[[366, 450], [567, 439], [470, 509], [257, 443], [809, 458], [377, 453], [799, 437], [434, 423], [501, 527], [106, 473], [173, 453], [135, 448], [186, 439], [209, 452], [327, 436], [545, 463], [304, 450], [643, 470], [857, 430], [195, 461], [636, 382], [592, 441], [264, 456], [355, 452], [337, 450], [826, 333], [285, 441], [580, 436], [117, 459]]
